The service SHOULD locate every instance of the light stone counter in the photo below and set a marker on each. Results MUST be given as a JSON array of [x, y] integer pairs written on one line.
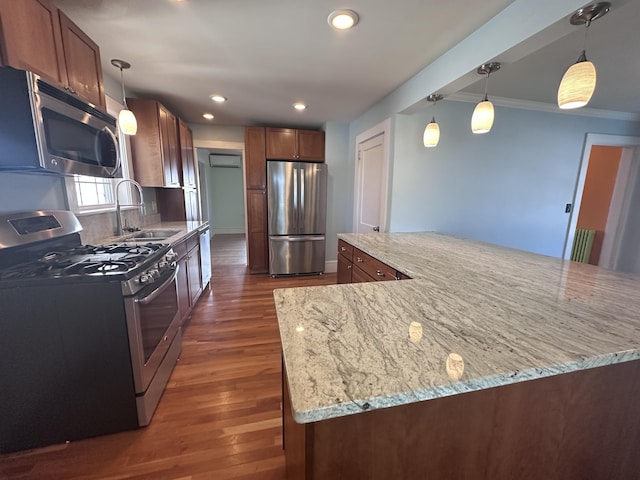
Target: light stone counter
[[184, 229], [474, 316]]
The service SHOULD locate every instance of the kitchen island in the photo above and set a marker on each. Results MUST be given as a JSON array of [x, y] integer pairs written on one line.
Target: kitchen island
[[489, 363]]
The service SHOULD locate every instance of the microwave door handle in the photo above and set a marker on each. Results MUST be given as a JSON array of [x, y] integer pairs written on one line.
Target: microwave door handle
[[153, 295], [108, 131]]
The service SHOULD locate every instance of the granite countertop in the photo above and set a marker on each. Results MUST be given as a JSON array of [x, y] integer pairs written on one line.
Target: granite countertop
[[473, 316], [184, 229]]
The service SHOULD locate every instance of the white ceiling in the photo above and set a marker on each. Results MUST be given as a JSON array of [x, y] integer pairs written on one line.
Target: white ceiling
[[612, 44], [264, 55]]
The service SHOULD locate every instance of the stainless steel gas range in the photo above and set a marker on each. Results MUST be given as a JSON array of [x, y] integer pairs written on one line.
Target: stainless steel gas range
[[89, 335]]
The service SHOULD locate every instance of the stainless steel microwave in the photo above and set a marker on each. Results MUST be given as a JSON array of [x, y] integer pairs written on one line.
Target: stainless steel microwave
[[44, 128]]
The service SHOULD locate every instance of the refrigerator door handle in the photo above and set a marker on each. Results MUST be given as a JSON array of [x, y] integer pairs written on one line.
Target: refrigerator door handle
[[301, 224], [313, 238], [295, 199]]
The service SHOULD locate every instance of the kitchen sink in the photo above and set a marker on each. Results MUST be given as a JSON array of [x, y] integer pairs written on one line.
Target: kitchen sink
[[152, 235]]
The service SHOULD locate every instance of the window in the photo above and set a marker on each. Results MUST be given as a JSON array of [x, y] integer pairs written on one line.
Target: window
[[94, 192]]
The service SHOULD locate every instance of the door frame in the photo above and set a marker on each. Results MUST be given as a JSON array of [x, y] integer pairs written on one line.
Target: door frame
[[591, 140], [384, 128]]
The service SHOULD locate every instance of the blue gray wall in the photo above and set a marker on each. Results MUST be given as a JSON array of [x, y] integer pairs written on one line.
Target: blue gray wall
[[340, 185], [225, 192], [508, 186]]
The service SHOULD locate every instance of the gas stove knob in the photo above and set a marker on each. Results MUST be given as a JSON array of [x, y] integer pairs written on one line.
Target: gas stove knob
[[171, 256], [145, 278], [154, 273], [163, 265]]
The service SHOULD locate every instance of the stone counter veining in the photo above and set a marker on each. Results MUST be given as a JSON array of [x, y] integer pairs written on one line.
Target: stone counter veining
[[184, 229], [474, 316]]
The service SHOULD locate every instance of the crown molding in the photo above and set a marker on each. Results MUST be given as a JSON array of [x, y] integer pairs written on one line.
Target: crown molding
[[544, 107]]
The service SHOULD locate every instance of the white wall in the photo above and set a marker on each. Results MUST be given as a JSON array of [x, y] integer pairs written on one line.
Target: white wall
[[508, 186], [629, 254]]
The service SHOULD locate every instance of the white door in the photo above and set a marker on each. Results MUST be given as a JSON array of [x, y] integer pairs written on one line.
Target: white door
[[371, 178]]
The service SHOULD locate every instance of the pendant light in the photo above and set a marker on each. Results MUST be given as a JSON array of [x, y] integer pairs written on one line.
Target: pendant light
[[431, 135], [126, 118], [579, 81], [482, 118]]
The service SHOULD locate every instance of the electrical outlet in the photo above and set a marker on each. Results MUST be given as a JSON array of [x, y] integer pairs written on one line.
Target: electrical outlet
[[567, 208]]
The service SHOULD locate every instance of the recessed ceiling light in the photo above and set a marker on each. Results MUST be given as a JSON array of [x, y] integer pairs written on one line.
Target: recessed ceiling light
[[208, 116], [343, 19], [299, 106], [218, 98]]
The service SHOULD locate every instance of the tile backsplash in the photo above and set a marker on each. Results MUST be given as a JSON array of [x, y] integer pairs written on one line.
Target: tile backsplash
[[97, 226]]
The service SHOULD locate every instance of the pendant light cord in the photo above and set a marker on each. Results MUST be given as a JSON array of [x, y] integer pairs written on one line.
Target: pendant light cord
[[486, 87], [124, 97]]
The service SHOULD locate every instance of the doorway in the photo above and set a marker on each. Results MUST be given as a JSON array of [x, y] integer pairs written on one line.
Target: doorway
[[603, 196], [372, 179], [222, 187]]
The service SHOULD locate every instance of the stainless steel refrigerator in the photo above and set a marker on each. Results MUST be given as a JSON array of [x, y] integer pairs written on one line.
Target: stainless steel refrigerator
[[297, 212]]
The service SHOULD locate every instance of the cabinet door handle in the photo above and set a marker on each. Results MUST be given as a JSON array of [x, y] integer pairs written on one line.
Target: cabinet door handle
[[379, 273], [349, 267], [343, 249], [360, 260]]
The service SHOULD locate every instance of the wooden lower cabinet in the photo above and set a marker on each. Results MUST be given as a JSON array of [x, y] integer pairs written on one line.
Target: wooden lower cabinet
[[568, 426], [359, 276], [189, 274], [356, 266], [257, 240], [345, 269]]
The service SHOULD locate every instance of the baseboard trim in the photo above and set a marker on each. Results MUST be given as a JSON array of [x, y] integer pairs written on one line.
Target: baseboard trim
[[331, 266], [224, 230]]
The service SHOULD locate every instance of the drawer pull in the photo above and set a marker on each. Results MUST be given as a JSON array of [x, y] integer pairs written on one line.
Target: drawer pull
[[359, 260], [379, 273], [349, 267], [343, 249]]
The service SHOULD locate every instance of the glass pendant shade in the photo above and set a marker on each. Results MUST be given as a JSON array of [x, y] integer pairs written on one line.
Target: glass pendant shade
[[127, 122], [482, 119], [431, 135], [577, 85]]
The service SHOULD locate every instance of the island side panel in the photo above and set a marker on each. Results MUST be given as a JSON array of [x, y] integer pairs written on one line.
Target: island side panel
[[297, 439], [583, 424]]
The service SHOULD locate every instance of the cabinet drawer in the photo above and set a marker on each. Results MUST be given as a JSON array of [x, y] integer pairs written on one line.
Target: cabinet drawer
[[373, 267], [180, 249], [359, 276], [402, 276], [345, 249]]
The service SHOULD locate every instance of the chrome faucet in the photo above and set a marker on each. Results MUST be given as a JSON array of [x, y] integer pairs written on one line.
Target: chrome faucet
[[119, 229]]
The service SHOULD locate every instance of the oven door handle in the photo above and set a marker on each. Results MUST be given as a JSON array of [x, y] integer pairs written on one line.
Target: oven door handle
[[153, 295]]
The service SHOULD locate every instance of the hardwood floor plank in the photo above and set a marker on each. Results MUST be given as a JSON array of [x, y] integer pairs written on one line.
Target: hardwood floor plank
[[219, 417]]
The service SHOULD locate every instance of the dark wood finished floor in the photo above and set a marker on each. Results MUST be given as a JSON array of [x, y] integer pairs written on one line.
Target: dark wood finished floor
[[219, 417]]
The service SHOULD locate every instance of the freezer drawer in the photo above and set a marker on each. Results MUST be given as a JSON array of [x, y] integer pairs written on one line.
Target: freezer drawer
[[292, 255]]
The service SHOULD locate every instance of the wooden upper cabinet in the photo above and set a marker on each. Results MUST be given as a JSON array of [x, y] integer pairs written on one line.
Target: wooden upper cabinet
[[82, 59], [255, 157], [311, 145], [37, 37], [291, 144], [31, 38], [155, 146], [187, 156]]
